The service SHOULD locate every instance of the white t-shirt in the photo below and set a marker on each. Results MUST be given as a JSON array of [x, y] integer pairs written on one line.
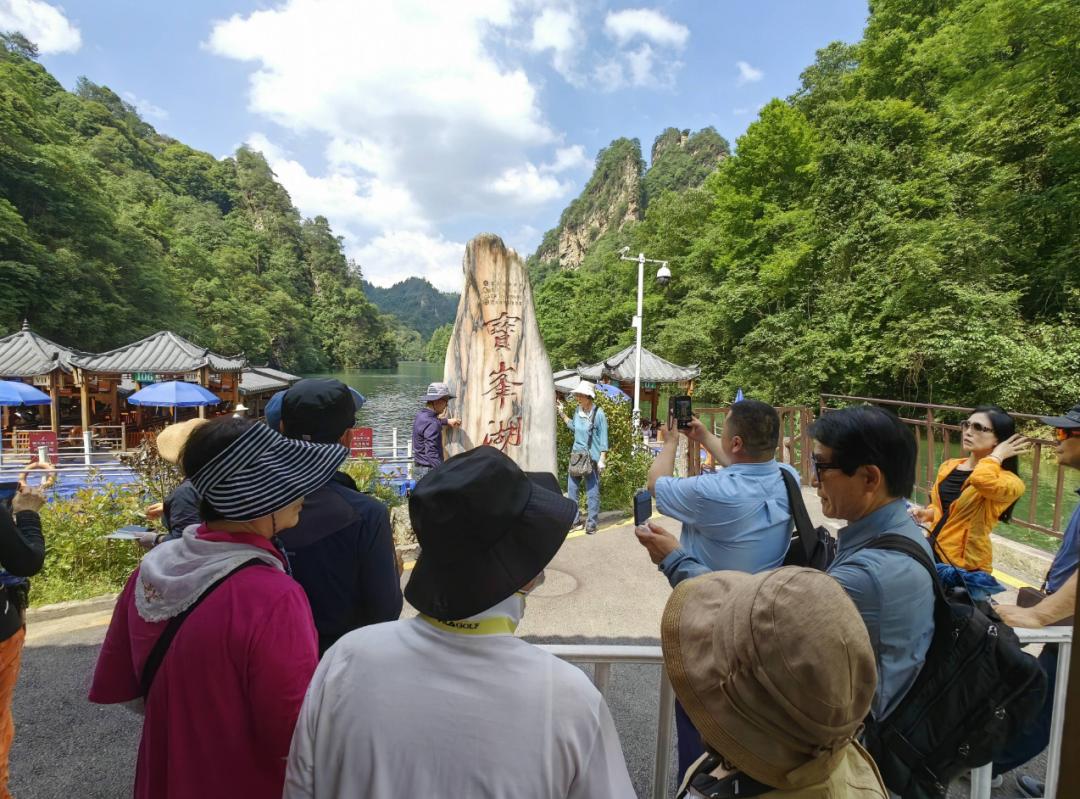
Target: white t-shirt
[[405, 709]]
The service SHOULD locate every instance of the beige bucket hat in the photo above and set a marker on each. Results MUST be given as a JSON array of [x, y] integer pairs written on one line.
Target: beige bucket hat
[[171, 440], [775, 670]]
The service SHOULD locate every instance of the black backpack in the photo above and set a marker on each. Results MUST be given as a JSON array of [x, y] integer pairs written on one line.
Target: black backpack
[[810, 546], [976, 690]]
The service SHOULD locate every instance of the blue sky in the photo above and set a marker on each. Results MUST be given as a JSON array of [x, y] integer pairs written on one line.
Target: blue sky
[[414, 125]]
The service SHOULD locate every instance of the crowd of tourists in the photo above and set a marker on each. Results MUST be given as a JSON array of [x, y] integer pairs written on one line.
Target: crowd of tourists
[[260, 637]]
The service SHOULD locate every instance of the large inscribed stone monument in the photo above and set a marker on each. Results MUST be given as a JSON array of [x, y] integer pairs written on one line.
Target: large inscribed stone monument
[[496, 364]]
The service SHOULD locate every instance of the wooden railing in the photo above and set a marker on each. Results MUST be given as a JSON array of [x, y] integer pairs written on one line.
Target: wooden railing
[[794, 446]]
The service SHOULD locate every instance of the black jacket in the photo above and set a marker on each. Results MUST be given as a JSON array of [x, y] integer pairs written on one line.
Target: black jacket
[[181, 509], [22, 553], [342, 553]]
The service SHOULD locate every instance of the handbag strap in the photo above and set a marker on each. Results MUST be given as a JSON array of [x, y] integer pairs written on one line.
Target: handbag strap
[[161, 646], [803, 526]]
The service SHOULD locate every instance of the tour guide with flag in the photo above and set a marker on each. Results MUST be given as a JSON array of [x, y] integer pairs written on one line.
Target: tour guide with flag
[[451, 703], [211, 635]]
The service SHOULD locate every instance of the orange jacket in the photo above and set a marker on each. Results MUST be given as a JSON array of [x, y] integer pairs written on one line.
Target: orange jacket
[[964, 539]]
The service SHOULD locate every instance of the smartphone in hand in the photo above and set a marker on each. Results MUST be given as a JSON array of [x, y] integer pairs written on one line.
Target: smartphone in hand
[[682, 408], [642, 507]]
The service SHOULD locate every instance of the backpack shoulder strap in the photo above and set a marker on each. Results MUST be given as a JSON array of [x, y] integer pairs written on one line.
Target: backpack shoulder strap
[[901, 543], [803, 526], [161, 646]]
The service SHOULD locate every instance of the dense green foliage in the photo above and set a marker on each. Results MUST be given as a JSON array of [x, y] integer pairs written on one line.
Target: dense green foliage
[[905, 226], [417, 303], [626, 470], [435, 352], [110, 231]]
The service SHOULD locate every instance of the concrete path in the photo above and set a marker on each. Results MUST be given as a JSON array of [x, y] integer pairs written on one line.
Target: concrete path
[[600, 589]]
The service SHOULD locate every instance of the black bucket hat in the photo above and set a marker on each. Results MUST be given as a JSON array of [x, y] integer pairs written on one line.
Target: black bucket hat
[[485, 528]]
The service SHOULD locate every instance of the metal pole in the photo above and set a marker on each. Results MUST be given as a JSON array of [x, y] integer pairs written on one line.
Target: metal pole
[[395, 443], [637, 354], [1057, 723], [663, 738], [86, 447]]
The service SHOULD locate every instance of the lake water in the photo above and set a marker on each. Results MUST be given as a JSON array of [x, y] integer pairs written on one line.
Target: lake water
[[393, 395]]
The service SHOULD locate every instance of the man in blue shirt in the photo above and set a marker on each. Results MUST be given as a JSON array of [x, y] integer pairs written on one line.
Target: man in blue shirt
[[590, 429], [427, 432], [1059, 604], [737, 519], [863, 466]]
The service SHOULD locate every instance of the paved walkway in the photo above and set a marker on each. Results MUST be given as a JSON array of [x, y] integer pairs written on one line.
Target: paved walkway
[[599, 589]]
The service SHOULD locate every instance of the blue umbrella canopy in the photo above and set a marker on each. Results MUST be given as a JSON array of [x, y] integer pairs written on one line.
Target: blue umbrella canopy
[[174, 394], [12, 392], [613, 392]]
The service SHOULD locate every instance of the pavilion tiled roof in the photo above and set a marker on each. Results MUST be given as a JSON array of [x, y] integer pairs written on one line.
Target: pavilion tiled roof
[[261, 379], [654, 369], [161, 352], [26, 354]]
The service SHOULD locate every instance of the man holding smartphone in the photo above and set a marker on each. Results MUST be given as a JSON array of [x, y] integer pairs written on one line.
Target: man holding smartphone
[[737, 519]]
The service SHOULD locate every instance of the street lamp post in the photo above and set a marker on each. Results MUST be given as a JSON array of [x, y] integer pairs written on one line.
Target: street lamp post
[[663, 275]]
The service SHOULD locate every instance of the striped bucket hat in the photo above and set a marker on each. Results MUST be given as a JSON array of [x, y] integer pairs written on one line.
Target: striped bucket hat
[[262, 472]]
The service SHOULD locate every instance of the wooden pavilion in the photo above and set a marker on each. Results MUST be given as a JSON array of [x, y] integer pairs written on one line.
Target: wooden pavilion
[[619, 369], [259, 383], [158, 358], [27, 357]]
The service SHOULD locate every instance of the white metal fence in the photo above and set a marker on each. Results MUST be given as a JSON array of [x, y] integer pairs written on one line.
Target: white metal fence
[[602, 658]]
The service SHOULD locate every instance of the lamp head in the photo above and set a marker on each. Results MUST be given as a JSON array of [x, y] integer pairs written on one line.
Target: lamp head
[[663, 274], [624, 250]]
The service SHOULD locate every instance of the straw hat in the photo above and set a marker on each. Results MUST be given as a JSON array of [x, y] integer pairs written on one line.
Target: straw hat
[[171, 440], [775, 670]]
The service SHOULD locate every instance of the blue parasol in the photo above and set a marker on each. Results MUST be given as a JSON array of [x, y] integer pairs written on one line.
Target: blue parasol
[[12, 392], [738, 396], [613, 392], [174, 394]]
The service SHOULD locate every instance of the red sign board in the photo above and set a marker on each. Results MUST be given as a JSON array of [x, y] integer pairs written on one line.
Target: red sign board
[[362, 442], [44, 438]]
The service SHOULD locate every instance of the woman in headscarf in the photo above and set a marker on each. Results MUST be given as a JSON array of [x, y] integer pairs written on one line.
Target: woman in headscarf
[[211, 637]]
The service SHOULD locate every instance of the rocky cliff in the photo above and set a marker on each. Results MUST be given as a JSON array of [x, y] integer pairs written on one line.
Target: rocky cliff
[[620, 188]]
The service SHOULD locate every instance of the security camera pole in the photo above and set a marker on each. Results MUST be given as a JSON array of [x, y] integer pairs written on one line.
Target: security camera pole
[[663, 275]]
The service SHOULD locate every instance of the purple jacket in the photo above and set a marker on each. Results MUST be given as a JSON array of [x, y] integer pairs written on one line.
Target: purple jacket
[[427, 438]]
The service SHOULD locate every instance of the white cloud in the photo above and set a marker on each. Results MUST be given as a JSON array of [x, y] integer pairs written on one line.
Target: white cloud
[[526, 185], [354, 203], [41, 23], [647, 23], [739, 112], [397, 254], [560, 31], [748, 74], [567, 159], [146, 108]]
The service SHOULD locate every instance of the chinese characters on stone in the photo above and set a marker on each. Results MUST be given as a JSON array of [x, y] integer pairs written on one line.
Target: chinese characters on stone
[[504, 431]]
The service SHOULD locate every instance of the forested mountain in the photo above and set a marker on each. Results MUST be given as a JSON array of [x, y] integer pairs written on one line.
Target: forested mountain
[[416, 303], [110, 231], [620, 189], [905, 225]]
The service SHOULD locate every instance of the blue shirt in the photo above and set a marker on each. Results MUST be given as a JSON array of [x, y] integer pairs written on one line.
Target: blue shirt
[[427, 445], [580, 425], [1068, 556], [737, 519], [894, 595]]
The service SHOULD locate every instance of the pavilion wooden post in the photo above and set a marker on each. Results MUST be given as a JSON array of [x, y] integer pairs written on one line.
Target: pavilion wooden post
[[84, 399], [54, 401], [204, 381]]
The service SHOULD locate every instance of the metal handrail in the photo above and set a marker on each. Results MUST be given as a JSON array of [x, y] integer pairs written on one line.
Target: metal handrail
[[603, 657]]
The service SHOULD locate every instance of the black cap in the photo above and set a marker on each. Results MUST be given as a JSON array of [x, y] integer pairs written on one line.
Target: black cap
[[1070, 421], [318, 410], [485, 529]]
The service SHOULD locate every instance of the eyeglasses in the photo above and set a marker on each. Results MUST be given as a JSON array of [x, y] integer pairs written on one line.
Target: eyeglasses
[[1063, 434], [967, 424], [817, 467]]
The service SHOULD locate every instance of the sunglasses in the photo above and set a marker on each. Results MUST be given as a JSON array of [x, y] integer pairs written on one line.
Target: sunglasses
[[967, 424], [817, 467], [1063, 434]]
